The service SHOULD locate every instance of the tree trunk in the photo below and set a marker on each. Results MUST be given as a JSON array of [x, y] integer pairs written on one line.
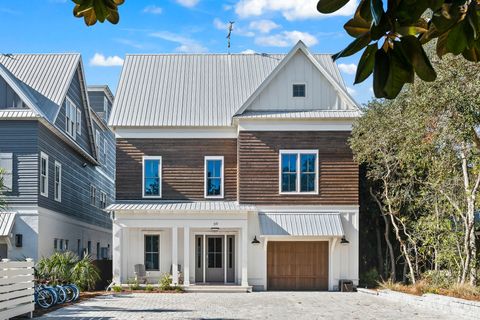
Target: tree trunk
[[379, 250]]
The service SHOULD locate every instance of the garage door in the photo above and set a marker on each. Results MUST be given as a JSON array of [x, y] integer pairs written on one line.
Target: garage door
[[297, 265]]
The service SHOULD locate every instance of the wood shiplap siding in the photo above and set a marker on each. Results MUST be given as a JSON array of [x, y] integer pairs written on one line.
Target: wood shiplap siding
[[20, 138], [259, 167], [183, 166], [76, 181]]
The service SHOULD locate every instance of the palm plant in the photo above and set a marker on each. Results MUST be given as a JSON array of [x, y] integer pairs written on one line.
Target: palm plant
[[2, 199], [85, 274]]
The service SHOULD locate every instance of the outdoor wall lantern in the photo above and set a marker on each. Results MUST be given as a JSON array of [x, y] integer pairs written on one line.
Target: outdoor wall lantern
[[344, 240], [255, 240], [18, 240]]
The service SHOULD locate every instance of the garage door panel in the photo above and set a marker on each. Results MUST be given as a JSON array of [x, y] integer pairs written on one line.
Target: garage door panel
[[297, 265]]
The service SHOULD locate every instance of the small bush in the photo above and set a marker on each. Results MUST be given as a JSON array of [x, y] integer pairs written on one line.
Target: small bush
[[438, 279], [149, 288], [165, 282], [370, 279], [133, 284], [117, 289]]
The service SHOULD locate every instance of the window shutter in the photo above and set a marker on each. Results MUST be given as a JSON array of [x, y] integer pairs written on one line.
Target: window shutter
[[6, 163]]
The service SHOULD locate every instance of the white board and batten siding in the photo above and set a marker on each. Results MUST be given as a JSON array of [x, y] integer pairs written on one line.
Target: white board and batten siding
[[16, 288]]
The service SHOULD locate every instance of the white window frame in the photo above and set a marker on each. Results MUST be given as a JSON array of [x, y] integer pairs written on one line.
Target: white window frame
[[104, 150], [154, 234], [160, 169], [298, 173], [221, 196], [71, 118], [45, 157], [78, 122], [6, 163], [57, 197], [103, 200], [299, 83]]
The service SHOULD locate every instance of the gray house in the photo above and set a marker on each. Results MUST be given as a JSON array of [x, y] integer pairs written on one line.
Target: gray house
[[58, 156]]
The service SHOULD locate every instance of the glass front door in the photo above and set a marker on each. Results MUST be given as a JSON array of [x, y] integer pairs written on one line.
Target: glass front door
[[215, 259]]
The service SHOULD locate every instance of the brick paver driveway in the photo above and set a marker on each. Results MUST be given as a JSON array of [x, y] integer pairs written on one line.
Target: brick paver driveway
[[261, 305]]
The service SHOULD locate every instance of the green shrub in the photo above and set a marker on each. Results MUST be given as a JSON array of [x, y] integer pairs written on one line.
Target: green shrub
[[85, 274], [117, 288], [438, 279], [369, 279], [165, 282], [133, 284], [149, 288]]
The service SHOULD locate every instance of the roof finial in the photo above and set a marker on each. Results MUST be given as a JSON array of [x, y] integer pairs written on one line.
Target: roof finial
[[229, 35]]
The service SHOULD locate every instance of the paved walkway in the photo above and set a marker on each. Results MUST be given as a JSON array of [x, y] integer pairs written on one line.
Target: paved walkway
[[261, 305]]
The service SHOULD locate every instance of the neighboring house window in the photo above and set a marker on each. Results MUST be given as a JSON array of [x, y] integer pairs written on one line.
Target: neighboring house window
[[6, 164], [79, 247], [58, 182], [61, 244], [298, 171], [98, 250], [213, 177], [71, 118], [105, 107], [66, 245], [97, 141], [78, 122], [55, 244], [152, 177], [103, 200], [93, 195], [43, 174], [299, 90], [152, 253], [89, 247]]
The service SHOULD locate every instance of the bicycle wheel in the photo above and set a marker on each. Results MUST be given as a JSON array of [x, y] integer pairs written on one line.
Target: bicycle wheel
[[44, 298], [53, 292], [75, 291], [70, 293], [62, 295]]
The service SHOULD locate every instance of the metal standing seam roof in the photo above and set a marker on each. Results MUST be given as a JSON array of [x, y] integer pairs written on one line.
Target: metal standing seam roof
[[167, 205], [15, 113], [46, 77], [7, 220], [333, 114], [192, 89], [301, 224]]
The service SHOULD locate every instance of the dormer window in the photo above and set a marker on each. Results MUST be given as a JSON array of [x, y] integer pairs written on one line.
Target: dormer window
[[299, 90]]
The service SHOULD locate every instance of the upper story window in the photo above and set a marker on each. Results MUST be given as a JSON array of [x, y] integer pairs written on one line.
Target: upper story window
[[58, 182], [104, 150], [97, 140], [43, 174], [78, 122], [6, 164], [299, 90], [71, 118], [103, 200], [93, 195], [105, 107], [299, 171], [152, 177], [214, 177]]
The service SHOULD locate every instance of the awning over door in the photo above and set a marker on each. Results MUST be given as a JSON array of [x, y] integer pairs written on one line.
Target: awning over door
[[6, 223], [301, 224]]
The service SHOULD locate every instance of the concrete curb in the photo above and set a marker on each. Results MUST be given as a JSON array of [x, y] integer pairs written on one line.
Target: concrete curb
[[460, 307]]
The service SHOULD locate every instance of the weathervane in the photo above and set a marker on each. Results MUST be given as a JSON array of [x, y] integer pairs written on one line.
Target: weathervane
[[230, 29]]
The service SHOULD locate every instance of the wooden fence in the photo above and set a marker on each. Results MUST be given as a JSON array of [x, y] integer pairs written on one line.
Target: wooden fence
[[16, 288]]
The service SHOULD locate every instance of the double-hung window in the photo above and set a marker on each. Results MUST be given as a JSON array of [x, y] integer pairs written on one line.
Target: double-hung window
[[43, 174], [6, 164], [97, 141], [214, 177], [78, 122], [152, 177], [71, 118], [152, 252], [103, 200], [58, 182], [299, 171]]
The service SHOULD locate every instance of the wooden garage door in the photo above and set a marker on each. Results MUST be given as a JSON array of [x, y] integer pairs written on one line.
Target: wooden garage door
[[297, 265]]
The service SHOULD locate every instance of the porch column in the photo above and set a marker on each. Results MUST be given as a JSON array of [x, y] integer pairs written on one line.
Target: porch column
[[174, 255], [186, 258], [116, 253], [244, 256]]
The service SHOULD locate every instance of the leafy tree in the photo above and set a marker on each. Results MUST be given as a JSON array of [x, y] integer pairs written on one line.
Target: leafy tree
[[392, 34], [97, 10]]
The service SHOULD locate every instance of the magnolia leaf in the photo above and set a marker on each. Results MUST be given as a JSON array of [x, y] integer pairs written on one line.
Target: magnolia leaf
[[366, 63], [376, 7], [399, 73], [113, 17], [457, 40], [97, 10], [100, 11], [442, 45], [416, 56], [357, 45], [329, 6], [357, 26], [380, 73]]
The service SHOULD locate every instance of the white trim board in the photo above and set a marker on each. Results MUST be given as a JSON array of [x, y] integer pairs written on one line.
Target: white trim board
[[177, 132], [293, 125]]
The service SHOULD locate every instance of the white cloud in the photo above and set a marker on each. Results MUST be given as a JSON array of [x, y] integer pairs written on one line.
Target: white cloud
[[188, 3], [237, 29], [248, 51], [351, 91], [350, 68], [153, 9], [264, 26], [290, 9], [99, 60], [187, 45], [286, 39]]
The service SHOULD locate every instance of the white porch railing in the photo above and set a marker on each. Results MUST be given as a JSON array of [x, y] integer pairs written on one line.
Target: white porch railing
[[16, 288]]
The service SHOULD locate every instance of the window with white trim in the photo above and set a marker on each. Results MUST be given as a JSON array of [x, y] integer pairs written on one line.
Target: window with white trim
[[299, 90], [104, 150], [93, 195], [214, 177], [66, 244], [71, 118], [103, 200], [97, 141], [78, 122], [299, 171], [55, 244], [152, 177], [58, 182], [43, 174], [152, 252]]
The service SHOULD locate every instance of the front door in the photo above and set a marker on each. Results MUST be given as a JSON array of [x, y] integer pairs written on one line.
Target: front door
[[215, 266]]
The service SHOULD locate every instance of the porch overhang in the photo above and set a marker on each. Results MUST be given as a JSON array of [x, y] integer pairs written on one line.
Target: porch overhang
[[179, 206], [306, 224]]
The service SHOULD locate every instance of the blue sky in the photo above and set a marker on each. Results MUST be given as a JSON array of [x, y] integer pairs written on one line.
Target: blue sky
[[154, 26]]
